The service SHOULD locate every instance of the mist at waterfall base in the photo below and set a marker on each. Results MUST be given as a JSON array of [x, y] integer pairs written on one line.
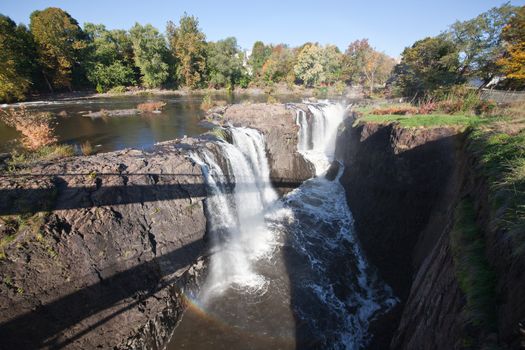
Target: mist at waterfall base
[[286, 273]]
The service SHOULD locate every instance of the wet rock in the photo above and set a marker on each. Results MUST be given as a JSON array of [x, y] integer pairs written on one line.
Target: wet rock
[[288, 168]]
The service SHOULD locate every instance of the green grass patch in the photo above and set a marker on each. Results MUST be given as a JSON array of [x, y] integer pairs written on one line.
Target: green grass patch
[[46, 153], [424, 120], [502, 160], [475, 276]]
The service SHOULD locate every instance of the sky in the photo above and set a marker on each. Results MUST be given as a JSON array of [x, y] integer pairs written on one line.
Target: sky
[[390, 25]]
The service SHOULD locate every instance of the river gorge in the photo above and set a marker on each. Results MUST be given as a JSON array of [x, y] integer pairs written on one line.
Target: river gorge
[[287, 226]]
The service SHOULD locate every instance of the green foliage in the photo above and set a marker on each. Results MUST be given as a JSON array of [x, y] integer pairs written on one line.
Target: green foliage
[[478, 42], [224, 63], [150, 52], [475, 275], [318, 65], [109, 58], [60, 44], [430, 64], [17, 51], [188, 46], [259, 55], [45, 153]]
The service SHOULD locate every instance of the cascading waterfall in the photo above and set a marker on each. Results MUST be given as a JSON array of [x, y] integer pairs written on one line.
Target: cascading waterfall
[[317, 136], [239, 233], [283, 273]]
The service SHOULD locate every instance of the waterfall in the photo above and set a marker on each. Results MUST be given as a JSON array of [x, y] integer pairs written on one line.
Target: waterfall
[[317, 136], [235, 208]]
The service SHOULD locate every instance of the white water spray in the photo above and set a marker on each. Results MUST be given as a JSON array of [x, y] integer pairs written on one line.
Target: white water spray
[[317, 136], [238, 230]]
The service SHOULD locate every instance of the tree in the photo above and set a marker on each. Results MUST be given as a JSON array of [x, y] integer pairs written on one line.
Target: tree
[[258, 57], [109, 57], [512, 63], [429, 64], [225, 67], [317, 65], [16, 60], [188, 46], [363, 64], [60, 43], [150, 53], [279, 65], [479, 42]]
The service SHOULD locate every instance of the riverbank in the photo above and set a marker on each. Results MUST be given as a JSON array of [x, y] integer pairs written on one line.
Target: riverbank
[[275, 90]]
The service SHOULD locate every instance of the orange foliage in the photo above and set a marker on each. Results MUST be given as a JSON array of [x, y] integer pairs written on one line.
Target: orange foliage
[[151, 106], [36, 128]]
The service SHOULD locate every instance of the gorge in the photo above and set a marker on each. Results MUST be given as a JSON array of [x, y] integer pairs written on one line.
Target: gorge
[[356, 251]]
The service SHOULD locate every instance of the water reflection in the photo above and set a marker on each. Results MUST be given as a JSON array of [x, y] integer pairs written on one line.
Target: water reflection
[[181, 116]]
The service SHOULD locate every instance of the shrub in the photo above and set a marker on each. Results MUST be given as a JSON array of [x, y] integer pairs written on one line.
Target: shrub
[[395, 110], [86, 148], [484, 107], [450, 106], [154, 106], [117, 90], [427, 107], [36, 128], [207, 102]]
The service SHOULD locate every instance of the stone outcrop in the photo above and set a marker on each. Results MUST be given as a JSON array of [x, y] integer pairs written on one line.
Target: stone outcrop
[[288, 168], [103, 247]]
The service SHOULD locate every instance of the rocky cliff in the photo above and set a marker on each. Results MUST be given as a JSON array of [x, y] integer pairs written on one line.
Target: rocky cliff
[[404, 187], [97, 249], [288, 168]]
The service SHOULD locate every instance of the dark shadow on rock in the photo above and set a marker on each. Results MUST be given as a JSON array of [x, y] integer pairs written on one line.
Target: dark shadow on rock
[[392, 194], [41, 327], [55, 194]]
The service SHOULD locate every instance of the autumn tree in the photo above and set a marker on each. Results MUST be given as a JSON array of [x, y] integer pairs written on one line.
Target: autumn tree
[[60, 44], [364, 65], [150, 54], [478, 42], [512, 63], [188, 46], [427, 65], [225, 67], [109, 57], [17, 53]]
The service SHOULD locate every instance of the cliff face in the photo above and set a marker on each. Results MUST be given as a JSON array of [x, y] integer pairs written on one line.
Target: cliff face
[[288, 168], [404, 187], [104, 245]]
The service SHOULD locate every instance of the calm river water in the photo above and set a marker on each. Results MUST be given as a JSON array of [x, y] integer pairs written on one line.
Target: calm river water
[[181, 116]]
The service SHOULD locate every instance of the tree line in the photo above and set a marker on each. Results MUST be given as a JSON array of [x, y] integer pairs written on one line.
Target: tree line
[[55, 54], [488, 49]]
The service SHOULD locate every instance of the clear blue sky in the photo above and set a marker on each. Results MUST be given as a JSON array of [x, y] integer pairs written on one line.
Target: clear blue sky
[[390, 25]]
